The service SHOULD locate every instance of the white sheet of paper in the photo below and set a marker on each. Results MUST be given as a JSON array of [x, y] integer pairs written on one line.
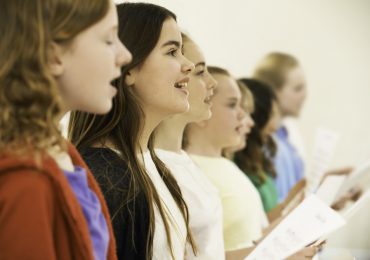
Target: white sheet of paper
[[361, 203], [324, 146], [311, 220], [328, 190], [359, 177]]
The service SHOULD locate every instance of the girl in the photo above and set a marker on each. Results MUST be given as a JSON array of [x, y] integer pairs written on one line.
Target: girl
[[255, 158], [53, 52], [243, 215], [242, 221], [202, 198], [284, 74], [149, 215]]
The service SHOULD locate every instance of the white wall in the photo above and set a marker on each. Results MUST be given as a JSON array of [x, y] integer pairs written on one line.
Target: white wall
[[331, 38]]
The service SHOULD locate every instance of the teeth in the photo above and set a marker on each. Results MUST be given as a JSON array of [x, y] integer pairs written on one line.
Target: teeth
[[182, 85], [208, 99]]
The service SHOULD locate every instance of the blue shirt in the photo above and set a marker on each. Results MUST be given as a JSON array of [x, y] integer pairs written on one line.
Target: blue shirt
[[288, 164], [92, 211]]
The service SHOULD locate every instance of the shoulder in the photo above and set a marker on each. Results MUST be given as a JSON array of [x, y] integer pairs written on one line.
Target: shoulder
[[103, 159], [26, 186], [108, 168]]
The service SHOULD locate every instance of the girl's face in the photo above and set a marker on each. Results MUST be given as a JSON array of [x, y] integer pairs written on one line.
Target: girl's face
[[274, 121], [200, 86], [247, 124], [161, 81], [292, 95], [85, 68], [226, 124]]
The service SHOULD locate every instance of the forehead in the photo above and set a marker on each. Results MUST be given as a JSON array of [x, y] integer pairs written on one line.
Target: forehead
[[170, 32], [226, 86], [295, 76], [110, 19], [193, 52]]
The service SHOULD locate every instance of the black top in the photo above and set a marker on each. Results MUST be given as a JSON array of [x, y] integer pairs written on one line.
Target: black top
[[130, 220]]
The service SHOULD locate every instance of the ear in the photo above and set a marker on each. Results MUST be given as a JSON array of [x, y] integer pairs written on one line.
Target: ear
[[55, 59], [131, 77]]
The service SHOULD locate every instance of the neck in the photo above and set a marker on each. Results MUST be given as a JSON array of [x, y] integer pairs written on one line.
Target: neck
[[200, 144], [169, 133], [151, 121]]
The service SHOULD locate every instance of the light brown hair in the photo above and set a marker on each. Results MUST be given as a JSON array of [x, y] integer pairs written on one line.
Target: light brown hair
[[273, 68], [30, 104]]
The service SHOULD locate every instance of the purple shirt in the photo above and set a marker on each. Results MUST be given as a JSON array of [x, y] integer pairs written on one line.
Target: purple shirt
[[92, 211], [288, 164]]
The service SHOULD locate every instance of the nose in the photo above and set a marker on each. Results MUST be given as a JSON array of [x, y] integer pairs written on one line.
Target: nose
[[211, 82], [241, 113], [187, 66], [250, 120], [304, 95], [123, 56]]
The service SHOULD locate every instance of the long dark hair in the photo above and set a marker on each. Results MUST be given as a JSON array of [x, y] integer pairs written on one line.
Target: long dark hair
[[256, 157], [140, 26]]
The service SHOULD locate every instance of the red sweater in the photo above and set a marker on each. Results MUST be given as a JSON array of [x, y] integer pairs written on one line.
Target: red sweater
[[40, 217]]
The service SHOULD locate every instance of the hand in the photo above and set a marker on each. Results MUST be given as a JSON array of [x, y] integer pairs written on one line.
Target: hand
[[304, 254], [309, 251], [340, 171], [352, 195]]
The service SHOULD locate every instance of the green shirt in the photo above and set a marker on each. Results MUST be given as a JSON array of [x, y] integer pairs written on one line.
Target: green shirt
[[267, 191]]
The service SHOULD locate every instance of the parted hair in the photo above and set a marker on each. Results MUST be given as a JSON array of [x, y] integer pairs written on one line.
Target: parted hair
[[140, 26]]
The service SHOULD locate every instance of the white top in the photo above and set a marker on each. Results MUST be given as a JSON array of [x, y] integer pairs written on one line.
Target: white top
[[178, 231], [204, 205], [243, 214]]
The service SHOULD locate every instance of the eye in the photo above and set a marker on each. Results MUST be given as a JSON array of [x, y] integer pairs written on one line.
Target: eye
[[232, 105], [201, 73], [173, 52], [110, 38]]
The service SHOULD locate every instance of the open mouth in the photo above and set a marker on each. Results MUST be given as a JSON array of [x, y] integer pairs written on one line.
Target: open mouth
[[208, 100], [240, 129], [114, 81], [181, 85]]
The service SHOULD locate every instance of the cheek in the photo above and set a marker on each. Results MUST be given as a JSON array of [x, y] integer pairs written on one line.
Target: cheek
[[193, 100], [225, 118], [171, 66]]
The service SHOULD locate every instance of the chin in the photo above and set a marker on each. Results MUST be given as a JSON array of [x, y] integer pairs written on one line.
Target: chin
[[205, 116], [180, 109], [102, 109]]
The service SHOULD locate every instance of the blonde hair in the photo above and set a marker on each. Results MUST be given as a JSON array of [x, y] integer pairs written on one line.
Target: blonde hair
[[273, 68], [247, 101], [30, 103]]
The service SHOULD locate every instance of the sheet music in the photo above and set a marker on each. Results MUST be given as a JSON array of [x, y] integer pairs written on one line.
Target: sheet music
[[325, 143], [311, 220], [359, 177], [363, 201]]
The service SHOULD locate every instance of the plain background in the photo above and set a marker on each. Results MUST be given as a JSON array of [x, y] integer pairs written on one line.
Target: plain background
[[331, 39]]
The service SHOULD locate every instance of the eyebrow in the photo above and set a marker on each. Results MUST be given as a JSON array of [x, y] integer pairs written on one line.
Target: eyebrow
[[176, 43], [202, 63], [233, 99]]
